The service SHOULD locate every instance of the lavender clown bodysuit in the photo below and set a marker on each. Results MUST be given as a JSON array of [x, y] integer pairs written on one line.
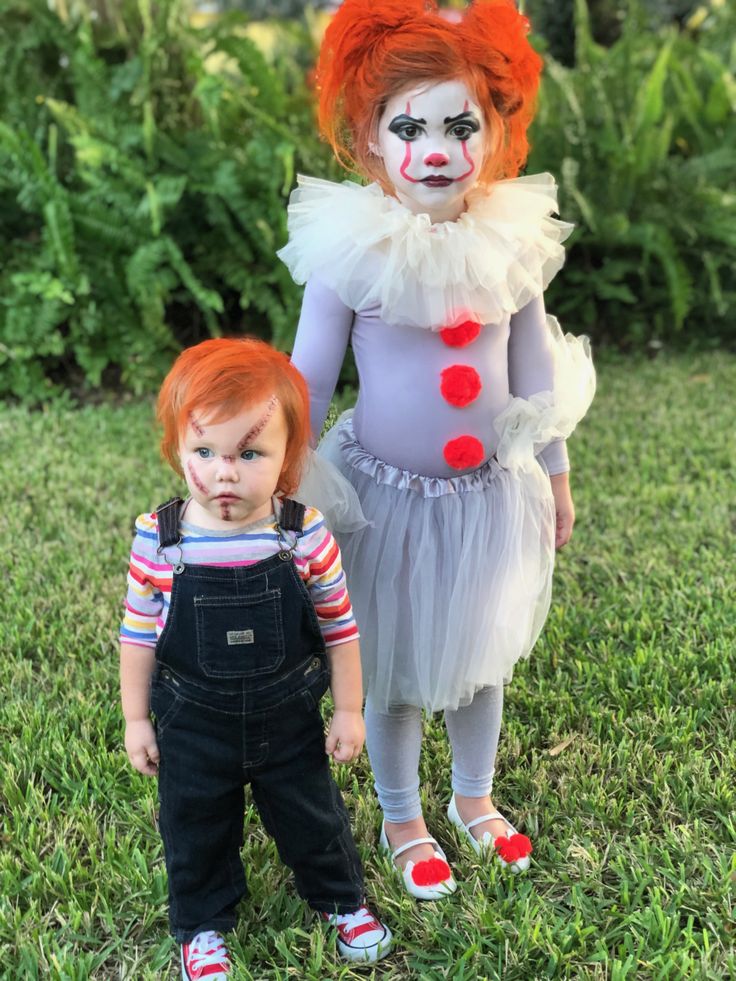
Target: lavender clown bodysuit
[[467, 393]]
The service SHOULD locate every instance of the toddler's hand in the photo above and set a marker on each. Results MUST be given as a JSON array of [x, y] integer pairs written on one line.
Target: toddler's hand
[[141, 746], [346, 736]]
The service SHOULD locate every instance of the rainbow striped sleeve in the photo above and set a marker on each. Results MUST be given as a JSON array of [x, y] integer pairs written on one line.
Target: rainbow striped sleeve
[[144, 602], [325, 580]]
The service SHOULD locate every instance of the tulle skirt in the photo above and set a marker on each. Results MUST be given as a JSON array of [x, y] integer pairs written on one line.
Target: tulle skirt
[[450, 580]]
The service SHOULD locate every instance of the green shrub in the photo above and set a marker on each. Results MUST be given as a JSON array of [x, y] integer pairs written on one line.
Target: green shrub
[[144, 168], [642, 138]]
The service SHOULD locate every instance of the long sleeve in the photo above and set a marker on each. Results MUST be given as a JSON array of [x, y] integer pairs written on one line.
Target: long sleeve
[[531, 369], [144, 602], [320, 565], [320, 345]]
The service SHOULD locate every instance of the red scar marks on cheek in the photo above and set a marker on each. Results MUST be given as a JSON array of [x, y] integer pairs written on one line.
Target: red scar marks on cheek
[[195, 478], [195, 425], [260, 425]]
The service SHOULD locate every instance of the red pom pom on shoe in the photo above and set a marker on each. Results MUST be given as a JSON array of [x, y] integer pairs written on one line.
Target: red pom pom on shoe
[[462, 335], [513, 848], [464, 452], [430, 872], [460, 384]]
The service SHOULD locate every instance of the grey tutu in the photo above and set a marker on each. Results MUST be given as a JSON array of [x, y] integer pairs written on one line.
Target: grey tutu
[[451, 579]]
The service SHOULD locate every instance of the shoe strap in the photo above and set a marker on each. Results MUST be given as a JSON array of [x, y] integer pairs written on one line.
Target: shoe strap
[[416, 841], [493, 816]]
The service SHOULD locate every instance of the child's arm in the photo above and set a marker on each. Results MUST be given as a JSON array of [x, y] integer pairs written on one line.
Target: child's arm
[[347, 729], [564, 508], [319, 347], [136, 668], [531, 370]]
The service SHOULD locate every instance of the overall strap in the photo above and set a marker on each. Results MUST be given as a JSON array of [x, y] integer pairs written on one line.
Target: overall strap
[[292, 515], [168, 522]]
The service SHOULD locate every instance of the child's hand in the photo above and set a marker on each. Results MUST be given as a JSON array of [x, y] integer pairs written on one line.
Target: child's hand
[[564, 509], [346, 736], [141, 746]]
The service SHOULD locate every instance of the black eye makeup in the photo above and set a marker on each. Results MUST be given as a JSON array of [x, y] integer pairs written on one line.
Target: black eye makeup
[[407, 128], [463, 125]]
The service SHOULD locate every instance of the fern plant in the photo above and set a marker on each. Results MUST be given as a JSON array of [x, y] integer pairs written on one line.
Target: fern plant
[[643, 139], [142, 191]]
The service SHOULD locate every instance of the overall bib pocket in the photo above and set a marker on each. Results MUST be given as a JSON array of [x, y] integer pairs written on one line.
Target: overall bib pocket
[[239, 636]]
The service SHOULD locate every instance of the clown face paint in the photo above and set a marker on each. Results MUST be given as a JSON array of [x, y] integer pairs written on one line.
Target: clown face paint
[[232, 468], [432, 139]]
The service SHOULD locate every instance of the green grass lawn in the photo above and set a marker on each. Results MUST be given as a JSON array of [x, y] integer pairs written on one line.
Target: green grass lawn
[[617, 755]]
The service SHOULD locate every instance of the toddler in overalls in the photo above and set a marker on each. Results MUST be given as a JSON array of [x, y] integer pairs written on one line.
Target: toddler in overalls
[[237, 619]]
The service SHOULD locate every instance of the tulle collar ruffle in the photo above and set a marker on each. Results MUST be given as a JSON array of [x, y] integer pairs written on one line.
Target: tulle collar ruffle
[[500, 253]]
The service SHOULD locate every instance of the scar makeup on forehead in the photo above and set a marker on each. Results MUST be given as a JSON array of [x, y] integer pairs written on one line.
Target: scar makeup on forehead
[[260, 425], [195, 425], [195, 478]]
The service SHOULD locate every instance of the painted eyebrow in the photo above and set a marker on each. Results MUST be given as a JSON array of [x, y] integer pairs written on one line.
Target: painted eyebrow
[[402, 118], [469, 116]]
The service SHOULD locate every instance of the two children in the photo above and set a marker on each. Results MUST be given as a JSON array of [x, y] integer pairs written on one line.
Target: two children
[[237, 620]]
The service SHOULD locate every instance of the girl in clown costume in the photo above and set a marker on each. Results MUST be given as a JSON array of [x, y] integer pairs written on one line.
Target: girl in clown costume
[[435, 273]]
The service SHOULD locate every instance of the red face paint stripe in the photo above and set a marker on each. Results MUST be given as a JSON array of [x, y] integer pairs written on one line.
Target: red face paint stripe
[[467, 156], [407, 155]]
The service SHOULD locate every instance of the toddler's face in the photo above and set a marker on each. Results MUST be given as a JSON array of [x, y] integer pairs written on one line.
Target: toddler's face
[[232, 467], [432, 139]]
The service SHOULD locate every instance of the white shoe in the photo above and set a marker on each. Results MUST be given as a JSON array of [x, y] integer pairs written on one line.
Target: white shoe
[[360, 935], [429, 879], [512, 849]]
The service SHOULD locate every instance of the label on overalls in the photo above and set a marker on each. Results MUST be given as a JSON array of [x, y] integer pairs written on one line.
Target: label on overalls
[[239, 637]]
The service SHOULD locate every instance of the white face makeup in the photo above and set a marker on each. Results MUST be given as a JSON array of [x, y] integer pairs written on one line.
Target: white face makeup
[[432, 139], [232, 467]]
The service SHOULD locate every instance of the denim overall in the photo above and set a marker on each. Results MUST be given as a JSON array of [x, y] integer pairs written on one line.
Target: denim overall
[[240, 670]]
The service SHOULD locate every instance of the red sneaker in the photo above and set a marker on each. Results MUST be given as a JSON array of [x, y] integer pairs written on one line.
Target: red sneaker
[[360, 935], [205, 956]]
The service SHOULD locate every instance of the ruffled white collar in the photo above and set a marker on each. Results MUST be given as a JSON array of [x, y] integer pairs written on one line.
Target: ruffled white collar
[[499, 254]]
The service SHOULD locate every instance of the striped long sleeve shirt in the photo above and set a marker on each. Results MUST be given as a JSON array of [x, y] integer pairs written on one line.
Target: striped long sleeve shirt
[[150, 576]]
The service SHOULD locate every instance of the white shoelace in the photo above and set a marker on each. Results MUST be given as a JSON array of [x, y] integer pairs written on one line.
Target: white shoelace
[[206, 949], [351, 921]]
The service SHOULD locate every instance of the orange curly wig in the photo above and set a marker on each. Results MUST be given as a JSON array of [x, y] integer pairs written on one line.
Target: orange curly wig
[[219, 378], [375, 48]]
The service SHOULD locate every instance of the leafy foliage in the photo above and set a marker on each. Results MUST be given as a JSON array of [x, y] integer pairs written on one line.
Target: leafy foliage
[[643, 140], [144, 166]]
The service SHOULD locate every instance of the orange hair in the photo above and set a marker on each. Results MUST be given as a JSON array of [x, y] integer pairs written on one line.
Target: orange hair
[[375, 48], [222, 377]]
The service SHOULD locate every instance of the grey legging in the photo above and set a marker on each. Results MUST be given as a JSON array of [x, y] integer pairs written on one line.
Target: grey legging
[[394, 741]]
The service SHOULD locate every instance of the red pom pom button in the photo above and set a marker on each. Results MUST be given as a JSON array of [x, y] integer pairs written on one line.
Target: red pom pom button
[[462, 335], [460, 384], [514, 847], [464, 452], [430, 872]]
